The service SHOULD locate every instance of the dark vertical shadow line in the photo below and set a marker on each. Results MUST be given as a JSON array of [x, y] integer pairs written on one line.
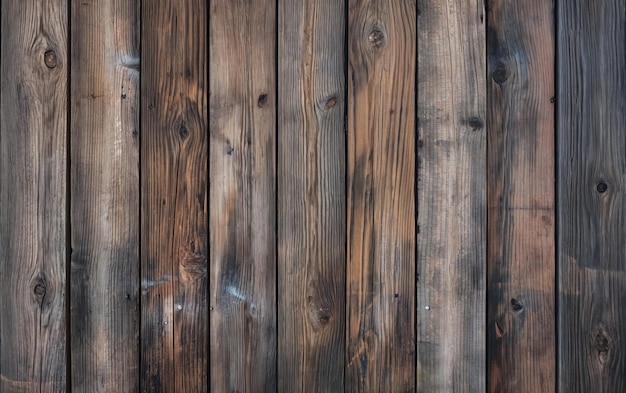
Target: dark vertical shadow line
[[139, 13], [276, 158], [208, 183], [487, 190], [555, 16], [68, 205], [416, 195]]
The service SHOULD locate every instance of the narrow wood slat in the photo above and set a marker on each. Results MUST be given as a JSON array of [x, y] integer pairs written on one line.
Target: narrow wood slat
[[591, 196], [242, 236], [520, 124], [311, 195], [381, 197], [451, 296], [33, 136], [174, 219], [104, 204]]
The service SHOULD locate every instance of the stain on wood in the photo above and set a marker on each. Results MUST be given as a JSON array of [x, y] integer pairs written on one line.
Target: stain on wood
[[381, 196], [451, 262], [33, 190], [174, 219], [592, 212], [311, 196], [243, 316], [521, 273]]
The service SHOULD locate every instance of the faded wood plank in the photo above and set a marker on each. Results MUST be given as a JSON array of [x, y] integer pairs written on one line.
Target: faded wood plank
[[174, 222], [451, 296], [592, 206], [243, 191], [381, 197], [33, 136], [521, 268], [311, 195], [104, 313]]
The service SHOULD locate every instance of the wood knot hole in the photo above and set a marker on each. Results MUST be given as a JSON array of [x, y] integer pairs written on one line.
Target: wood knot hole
[[377, 38], [500, 75], [262, 100], [50, 58], [516, 305], [183, 131], [475, 123], [602, 187], [40, 289]]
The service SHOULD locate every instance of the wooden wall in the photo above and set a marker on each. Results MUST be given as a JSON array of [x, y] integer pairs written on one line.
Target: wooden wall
[[313, 196]]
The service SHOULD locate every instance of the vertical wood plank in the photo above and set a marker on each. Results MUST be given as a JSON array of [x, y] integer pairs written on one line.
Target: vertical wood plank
[[104, 313], [311, 195], [451, 300], [591, 195], [33, 136], [243, 190], [521, 286], [381, 197], [174, 222]]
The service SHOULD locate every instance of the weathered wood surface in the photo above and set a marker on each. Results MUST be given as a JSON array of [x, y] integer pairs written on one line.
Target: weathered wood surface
[[104, 133], [174, 219], [381, 198], [311, 195], [33, 181], [592, 208], [520, 124], [451, 106], [242, 69]]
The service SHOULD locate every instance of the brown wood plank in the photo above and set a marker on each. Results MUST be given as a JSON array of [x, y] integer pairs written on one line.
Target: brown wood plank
[[311, 195], [451, 296], [591, 196], [381, 197], [33, 175], [174, 222], [104, 286], [242, 165], [521, 268]]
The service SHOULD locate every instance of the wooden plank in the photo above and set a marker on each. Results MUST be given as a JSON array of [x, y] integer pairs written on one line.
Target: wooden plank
[[520, 124], [381, 197], [104, 285], [242, 165], [33, 136], [311, 195], [592, 205], [174, 219], [451, 296]]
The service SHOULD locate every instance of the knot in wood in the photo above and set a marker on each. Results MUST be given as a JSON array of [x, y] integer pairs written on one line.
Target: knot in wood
[[50, 58], [262, 100], [602, 187], [516, 305], [40, 289], [500, 75], [377, 38]]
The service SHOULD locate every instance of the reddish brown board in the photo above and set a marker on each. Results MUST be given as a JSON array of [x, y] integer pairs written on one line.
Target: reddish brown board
[[174, 211], [242, 44], [33, 181], [104, 203], [381, 196], [520, 124]]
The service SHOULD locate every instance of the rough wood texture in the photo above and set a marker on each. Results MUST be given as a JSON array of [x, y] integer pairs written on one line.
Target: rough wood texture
[[33, 136], [311, 196], [104, 313], [592, 207], [451, 299], [174, 222], [381, 197], [521, 319], [243, 191]]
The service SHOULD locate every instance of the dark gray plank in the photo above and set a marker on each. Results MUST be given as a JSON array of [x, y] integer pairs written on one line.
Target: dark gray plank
[[591, 195], [451, 263], [33, 136], [311, 195], [521, 281]]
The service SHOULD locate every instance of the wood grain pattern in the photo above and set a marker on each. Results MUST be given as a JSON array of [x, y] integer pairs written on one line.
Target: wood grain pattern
[[451, 299], [243, 190], [33, 175], [311, 195], [174, 221], [104, 313], [520, 124], [381, 198], [591, 189]]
